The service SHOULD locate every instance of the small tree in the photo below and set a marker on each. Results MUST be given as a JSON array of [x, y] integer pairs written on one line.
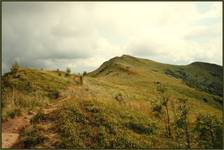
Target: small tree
[[84, 73], [58, 71], [68, 71], [163, 104], [81, 76], [208, 131], [157, 109], [14, 68], [181, 123], [161, 89], [81, 79]]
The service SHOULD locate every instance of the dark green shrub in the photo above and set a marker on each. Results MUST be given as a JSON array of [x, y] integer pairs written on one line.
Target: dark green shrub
[[68, 72], [142, 127], [54, 94], [205, 100], [14, 68], [28, 86], [69, 120], [157, 109], [81, 79], [33, 136], [92, 108], [78, 117], [181, 124], [119, 97], [58, 71], [218, 99], [161, 88], [12, 114], [73, 115], [209, 131], [112, 128], [84, 73], [123, 142], [161, 107], [101, 138], [38, 118], [171, 73]]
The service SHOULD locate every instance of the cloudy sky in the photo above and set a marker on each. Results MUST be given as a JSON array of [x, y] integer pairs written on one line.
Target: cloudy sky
[[82, 35]]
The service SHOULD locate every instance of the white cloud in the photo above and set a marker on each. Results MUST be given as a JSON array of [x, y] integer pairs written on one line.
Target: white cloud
[[77, 34]]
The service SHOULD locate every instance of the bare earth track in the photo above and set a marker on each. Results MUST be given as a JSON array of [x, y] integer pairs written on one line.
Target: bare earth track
[[12, 128]]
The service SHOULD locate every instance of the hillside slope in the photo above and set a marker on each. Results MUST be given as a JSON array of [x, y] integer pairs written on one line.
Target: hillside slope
[[30, 88], [204, 76], [200, 79], [121, 105]]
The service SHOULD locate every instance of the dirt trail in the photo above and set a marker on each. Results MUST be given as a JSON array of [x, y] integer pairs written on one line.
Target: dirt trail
[[12, 129]]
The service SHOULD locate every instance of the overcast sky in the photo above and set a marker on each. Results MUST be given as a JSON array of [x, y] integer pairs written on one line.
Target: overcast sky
[[82, 35]]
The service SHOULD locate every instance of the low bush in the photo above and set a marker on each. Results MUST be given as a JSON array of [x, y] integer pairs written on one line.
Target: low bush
[[123, 141], [208, 130], [84, 73], [142, 128], [38, 118], [54, 94], [12, 114], [33, 136], [91, 108], [68, 72], [90, 124], [119, 97], [14, 68]]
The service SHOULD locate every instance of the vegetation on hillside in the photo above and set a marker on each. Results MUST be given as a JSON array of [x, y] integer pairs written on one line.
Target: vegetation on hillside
[[93, 123], [127, 102], [206, 77], [24, 88]]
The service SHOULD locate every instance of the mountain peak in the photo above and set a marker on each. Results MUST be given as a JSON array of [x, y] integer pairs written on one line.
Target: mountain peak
[[126, 55]]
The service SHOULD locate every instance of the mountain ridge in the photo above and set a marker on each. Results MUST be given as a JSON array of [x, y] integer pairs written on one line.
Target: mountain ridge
[[207, 78], [119, 105]]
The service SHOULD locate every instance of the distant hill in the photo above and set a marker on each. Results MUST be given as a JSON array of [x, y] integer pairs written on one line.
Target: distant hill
[[203, 76]]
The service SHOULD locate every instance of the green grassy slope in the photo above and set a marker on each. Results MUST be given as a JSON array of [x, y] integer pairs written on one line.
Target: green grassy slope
[[198, 80], [114, 106], [204, 76], [28, 88]]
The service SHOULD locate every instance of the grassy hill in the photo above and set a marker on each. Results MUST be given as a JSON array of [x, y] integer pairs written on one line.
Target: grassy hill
[[127, 102], [200, 75], [30, 88], [202, 81]]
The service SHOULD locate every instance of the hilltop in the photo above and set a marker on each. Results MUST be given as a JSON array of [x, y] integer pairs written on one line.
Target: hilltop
[[199, 76], [119, 105]]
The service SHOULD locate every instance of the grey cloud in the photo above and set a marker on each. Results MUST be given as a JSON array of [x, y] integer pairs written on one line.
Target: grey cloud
[[144, 51], [203, 35], [28, 37], [57, 34], [146, 48]]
